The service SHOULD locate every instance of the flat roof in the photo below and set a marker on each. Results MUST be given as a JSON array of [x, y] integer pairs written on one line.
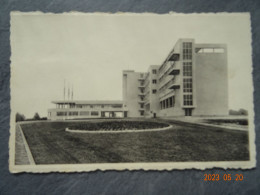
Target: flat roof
[[88, 102]]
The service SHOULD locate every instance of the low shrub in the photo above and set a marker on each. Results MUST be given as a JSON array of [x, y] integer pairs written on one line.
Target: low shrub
[[243, 122], [118, 125]]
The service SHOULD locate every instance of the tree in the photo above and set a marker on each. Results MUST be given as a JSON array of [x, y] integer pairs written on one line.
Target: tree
[[243, 111], [36, 116], [19, 117]]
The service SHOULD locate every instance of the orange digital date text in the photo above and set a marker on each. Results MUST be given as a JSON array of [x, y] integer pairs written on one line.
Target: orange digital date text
[[225, 177]]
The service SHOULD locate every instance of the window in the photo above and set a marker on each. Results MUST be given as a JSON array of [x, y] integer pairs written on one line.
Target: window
[[84, 113], [209, 50], [61, 113], [219, 50], [170, 102], [187, 69], [154, 91], [167, 103], [141, 75], [187, 100], [142, 113], [142, 105], [154, 71], [94, 113], [117, 106], [154, 81], [187, 85], [188, 112], [72, 105], [187, 50], [73, 113]]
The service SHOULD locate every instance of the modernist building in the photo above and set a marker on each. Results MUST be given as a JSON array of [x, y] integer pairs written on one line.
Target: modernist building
[[70, 109], [192, 80]]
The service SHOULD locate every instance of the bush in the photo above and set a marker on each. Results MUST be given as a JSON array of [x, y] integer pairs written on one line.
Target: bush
[[19, 117], [36, 116], [118, 125]]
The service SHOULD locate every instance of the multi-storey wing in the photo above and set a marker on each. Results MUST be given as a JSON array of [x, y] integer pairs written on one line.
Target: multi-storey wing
[[192, 80]]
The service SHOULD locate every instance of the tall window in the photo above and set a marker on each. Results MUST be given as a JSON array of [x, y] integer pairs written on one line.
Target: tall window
[[187, 68], [167, 103], [154, 91], [187, 85], [154, 71], [187, 50], [187, 100], [154, 81]]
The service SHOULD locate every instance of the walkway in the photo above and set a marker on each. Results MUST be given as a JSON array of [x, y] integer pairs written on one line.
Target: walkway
[[22, 152]]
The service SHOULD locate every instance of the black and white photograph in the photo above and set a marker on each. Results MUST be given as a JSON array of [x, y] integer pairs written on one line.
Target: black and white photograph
[[125, 91]]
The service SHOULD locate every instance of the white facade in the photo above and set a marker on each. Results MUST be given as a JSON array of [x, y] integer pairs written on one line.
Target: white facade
[[86, 109]]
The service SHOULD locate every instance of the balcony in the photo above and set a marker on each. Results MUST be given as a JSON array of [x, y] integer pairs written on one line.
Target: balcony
[[174, 57], [172, 84], [174, 70], [141, 94], [166, 93]]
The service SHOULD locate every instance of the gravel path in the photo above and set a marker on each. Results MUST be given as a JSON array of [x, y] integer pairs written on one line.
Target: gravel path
[[21, 157]]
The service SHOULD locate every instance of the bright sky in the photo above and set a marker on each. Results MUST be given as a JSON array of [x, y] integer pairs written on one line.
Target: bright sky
[[91, 50]]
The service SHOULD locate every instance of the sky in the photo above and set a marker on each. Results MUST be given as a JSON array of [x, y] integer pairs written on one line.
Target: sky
[[90, 51]]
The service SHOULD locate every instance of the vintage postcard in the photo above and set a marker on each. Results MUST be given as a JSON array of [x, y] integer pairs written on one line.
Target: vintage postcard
[[130, 91]]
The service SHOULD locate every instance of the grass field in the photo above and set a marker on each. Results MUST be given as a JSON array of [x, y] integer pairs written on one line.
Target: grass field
[[50, 144]]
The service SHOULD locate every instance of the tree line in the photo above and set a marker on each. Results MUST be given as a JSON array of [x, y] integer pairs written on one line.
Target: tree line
[[21, 117]]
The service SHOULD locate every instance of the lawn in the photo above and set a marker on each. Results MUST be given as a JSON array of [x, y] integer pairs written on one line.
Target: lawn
[[50, 144]]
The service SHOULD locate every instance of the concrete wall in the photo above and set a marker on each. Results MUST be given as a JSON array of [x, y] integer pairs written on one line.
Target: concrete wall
[[130, 93], [211, 83], [154, 98]]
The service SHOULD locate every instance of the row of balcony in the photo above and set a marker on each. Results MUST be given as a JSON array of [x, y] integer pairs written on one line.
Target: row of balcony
[[171, 57], [165, 93], [171, 84], [165, 69], [174, 69]]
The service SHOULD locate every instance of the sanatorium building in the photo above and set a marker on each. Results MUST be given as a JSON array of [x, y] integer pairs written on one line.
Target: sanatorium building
[[192, 81]]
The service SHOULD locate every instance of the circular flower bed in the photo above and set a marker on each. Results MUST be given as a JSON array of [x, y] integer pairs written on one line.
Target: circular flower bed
[[118, 126]]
